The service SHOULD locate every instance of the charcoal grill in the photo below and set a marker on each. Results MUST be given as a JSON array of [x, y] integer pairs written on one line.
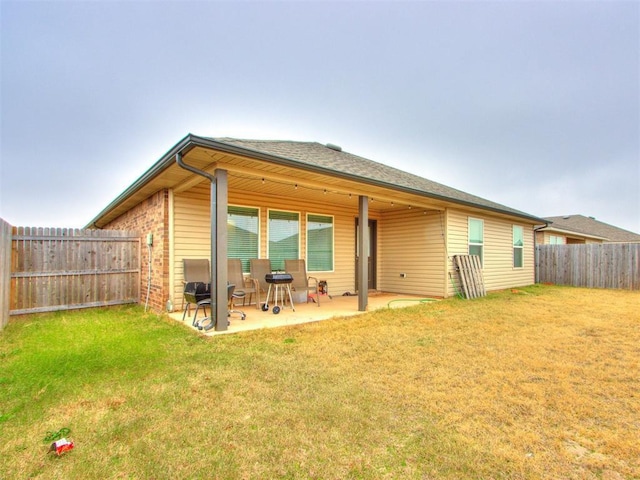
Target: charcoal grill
[[278, 278], [280, 283]]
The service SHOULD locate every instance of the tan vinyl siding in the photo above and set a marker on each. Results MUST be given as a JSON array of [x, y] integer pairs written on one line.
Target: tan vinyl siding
[[192, 226], [411, 243], [498, 271]]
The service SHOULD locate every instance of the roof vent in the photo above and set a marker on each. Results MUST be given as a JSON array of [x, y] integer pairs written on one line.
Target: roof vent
[[337, 148]]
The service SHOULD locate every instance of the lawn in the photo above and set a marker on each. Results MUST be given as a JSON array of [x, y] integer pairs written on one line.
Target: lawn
[[540, 382]]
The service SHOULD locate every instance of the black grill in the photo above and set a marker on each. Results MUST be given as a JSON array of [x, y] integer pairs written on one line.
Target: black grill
[[278, 278]]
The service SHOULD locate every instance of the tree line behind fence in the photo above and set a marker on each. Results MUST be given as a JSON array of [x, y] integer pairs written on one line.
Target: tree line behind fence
[[603, 265], [60, 269]]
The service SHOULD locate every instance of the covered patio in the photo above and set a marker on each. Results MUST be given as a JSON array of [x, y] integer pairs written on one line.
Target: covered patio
[[360, 226], [330, 307]]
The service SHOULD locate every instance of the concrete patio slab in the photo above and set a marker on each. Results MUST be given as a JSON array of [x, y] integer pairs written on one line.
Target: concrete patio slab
[[330, 307]]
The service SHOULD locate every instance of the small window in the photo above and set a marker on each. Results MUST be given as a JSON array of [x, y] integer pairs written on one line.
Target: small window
[[476, 238], [518, 246], [319, 243], [242, 234], [556, 240], [284, 237]]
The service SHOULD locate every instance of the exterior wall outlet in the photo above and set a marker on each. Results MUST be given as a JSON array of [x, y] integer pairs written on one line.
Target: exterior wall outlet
[[149, 238]]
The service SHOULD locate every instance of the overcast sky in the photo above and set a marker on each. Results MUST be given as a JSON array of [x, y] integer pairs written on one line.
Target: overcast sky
[[534, 105]]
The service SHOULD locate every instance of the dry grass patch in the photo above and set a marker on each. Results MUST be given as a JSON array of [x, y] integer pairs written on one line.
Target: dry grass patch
[[536, 383]]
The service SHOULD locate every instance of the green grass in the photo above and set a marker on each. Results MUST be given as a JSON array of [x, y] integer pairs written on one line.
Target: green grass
[[532, 383]]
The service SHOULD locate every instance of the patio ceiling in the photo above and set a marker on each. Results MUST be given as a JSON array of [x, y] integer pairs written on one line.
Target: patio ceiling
[[260, 176], [249, 174]]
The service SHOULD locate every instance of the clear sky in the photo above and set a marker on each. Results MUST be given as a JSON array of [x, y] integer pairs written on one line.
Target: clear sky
[[531, 104]]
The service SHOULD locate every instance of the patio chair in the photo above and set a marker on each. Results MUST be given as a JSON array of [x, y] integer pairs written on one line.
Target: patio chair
[[235, 276], [301, 282], [195, 270], [259, 268], [233, 294]]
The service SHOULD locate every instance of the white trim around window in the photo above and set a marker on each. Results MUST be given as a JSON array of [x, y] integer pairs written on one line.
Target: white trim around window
[[283, 237], [243, 233], [518, 246], [320, 231]]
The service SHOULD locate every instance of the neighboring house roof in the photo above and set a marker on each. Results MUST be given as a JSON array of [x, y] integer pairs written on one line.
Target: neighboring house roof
[[311, 156], [589, 226], [333, 158]]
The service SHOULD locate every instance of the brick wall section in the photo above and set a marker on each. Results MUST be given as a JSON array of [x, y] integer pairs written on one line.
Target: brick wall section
[[151, 216]]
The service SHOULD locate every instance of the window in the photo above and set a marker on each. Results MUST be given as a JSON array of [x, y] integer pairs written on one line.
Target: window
[[556, 240], [284, 237], [476, 238], [518, 244], [242, 234], [319, 243]]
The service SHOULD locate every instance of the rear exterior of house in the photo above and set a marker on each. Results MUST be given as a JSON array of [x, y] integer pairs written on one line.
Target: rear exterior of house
[[301, 200]]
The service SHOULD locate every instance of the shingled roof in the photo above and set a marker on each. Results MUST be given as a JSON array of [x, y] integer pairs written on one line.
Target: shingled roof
[[326, 159], [591, 226], [333, 158]]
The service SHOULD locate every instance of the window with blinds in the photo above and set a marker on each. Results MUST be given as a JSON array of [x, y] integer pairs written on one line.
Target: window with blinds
[[243, 227], [284, 237], [319, 243]]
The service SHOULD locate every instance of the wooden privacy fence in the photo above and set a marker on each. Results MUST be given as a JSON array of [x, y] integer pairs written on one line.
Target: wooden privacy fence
[[61, 269], [603, 265]]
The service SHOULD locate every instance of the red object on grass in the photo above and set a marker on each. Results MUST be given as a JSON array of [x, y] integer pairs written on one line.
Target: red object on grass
[[61, 446]]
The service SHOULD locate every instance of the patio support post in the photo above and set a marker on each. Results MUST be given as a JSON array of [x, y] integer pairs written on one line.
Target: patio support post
[[363, 248], [219, 202], [218, 262]]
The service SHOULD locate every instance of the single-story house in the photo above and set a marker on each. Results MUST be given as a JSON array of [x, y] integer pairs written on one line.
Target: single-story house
[[219, 197], [578, 229]]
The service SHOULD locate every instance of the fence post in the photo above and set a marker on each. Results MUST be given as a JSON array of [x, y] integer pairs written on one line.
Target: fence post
[[5, 272]]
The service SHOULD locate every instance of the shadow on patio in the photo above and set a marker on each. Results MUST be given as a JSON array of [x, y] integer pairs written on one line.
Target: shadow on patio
[[330, 307]]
